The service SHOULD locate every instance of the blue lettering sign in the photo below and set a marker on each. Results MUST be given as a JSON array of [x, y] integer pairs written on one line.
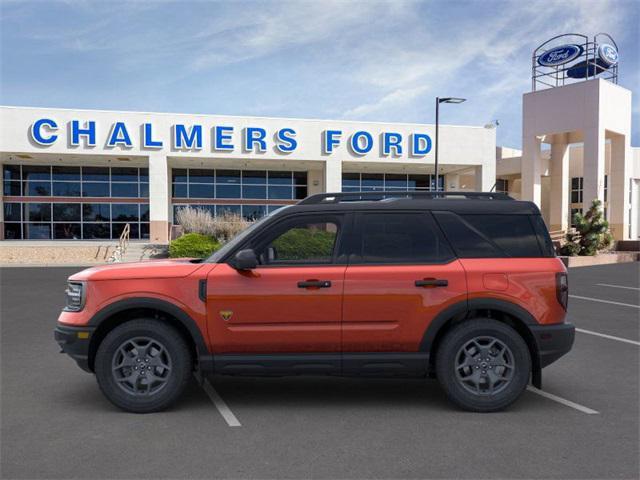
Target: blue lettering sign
[[186, 139], [286, 140], [357, 146], [89, 131], [37, 134], [119, 136], [420, 144], [330, 140], [255, 136], [222, 137], [391, 140], [147, 138]]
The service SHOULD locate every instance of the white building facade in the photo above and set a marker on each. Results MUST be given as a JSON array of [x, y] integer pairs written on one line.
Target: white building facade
[[85, 174]]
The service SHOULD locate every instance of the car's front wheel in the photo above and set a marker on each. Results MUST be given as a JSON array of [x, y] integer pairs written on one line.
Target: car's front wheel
[[143, 365], [483, 365]]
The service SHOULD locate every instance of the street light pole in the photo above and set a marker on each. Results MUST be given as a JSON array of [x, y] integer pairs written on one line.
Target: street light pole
[[438, 102], [437, 142]]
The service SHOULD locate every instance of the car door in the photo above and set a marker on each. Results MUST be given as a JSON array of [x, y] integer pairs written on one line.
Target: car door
[[290, 303], [401, 274]]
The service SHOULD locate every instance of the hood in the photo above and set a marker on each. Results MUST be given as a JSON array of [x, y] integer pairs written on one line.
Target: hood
[[174, 268]]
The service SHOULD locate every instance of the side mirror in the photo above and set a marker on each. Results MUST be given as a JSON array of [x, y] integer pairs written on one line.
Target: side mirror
[[244, 260]]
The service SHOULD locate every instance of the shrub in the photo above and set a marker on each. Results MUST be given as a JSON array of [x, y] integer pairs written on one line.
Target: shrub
[[591, 235], [193, 245], [222, 227], [303, 243]]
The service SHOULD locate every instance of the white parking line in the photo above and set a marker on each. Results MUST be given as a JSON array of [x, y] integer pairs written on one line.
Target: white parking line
[[222, 407], [616, 286], [563, 401], [604, 301], [610, 337]]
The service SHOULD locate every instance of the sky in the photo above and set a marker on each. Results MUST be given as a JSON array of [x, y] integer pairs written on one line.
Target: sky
[[345, 60]]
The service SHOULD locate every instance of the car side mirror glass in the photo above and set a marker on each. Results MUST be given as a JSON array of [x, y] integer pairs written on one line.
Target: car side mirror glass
[[244, 260]]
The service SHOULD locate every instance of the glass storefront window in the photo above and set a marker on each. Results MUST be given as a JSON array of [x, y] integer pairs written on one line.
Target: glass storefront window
[[73, 221], [66, 212], [354, 182], [252, 185], [66, 173], [66, 189], [96, 212], [67, 181]]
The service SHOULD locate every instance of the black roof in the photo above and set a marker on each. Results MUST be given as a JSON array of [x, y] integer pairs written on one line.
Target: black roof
[[458, 202]]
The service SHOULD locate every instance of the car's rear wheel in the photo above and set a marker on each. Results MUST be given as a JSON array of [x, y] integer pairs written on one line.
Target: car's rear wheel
[[483, 365], [143, 365]]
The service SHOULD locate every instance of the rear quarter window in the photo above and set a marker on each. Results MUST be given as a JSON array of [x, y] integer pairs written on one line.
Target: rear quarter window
[[486, 236]]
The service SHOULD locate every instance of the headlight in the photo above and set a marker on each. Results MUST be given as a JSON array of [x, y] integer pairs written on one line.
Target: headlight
[[75, 296]]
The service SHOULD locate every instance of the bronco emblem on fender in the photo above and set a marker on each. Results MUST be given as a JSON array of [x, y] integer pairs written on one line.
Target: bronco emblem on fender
[[226, 315]]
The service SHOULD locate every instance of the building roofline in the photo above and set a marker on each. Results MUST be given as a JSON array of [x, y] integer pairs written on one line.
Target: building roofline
[[18, 107]]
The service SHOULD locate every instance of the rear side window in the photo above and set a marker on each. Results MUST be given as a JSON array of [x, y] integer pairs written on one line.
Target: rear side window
[[543, 236], [514, 234], [486, 236], [402, 237]]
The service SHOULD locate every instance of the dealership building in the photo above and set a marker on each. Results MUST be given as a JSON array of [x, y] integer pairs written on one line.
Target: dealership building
[[85, 174]]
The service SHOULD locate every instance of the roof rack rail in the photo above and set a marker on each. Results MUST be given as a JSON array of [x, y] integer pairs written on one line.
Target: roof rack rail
[[389, 195]]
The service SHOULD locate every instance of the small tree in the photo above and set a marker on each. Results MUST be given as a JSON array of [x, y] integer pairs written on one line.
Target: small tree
[[591, 235]]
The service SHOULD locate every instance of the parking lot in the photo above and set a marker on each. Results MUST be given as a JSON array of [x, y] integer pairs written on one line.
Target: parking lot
[[56, 423]]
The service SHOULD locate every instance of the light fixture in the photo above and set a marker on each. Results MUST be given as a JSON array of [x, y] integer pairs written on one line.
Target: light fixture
[[451, 100]]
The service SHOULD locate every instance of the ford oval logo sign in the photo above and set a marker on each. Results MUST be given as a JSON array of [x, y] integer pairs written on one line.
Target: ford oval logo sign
[[608, 54], [560, 55]]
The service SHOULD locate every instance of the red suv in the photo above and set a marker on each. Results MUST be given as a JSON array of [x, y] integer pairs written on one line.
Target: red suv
[[461, 286]]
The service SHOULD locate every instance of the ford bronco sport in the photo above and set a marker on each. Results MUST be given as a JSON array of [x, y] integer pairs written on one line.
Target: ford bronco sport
[[464, 287]]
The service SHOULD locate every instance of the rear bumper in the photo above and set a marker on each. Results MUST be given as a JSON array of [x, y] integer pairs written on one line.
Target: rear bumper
[[74, 341], [553, 341]]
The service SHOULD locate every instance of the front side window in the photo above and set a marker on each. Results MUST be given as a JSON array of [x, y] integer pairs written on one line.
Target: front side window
[[402, 237], [302, 242]]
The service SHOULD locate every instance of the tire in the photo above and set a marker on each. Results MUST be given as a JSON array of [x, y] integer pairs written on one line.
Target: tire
[[143, 366], [468, 379]]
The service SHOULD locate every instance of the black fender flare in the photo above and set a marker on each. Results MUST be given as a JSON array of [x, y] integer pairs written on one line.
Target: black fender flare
[[461, 309], [156, 304]]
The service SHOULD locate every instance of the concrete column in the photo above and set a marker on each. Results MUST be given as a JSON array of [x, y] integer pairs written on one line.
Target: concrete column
[[559, 204], [485, 177], [452, 182], [531, 169], [1, 209], [315, 182], [332, 175], [159, 198], [618, 188], [593, 166]]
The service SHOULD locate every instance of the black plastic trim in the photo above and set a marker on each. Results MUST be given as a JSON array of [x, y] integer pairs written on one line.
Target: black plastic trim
[[156, 304], [76, 348], [459, 309], [504, 306], [378, 364], [553, 341], [202, 290]]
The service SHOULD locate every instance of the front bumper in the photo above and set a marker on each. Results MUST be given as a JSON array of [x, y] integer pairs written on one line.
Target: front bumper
[[74, 341], [553, 341]]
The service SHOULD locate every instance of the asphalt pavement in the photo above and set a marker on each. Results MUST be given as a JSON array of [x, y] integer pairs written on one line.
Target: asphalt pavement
[[56, 424]]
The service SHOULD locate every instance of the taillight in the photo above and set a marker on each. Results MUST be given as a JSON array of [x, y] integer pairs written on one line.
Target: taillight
[[562, 289]]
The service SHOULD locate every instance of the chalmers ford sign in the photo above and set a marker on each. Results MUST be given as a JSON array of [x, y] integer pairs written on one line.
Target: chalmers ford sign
[[222, 138]]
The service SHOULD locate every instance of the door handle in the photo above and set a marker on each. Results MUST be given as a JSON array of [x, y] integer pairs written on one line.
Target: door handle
[[314, 284], [432, 282]]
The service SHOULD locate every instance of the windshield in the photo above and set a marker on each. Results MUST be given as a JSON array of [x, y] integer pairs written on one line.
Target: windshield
[[238, 239]]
